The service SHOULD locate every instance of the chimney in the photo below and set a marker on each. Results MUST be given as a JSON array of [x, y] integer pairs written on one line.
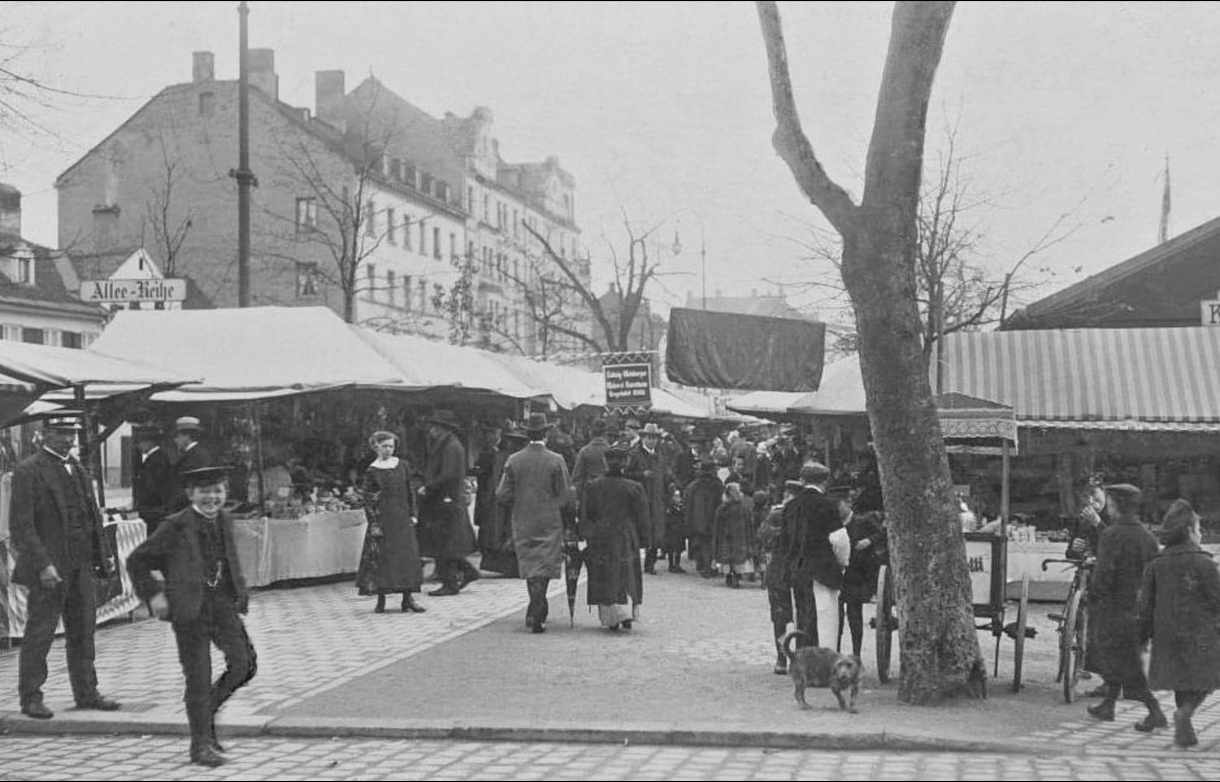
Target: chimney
[[329, 92], [203, 67], [10, 210], [262, 72]]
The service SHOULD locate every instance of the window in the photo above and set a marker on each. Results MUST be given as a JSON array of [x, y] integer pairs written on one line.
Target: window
[[71, 339], [516, 224], [390, 226], [423, 238], [487, 209], [33, 336], [406, 291], [426, 184], [370, 227], [470, 199], [423, 295], [307, 279], [207, 104], [453, 245], [372, 285], [307, 214], [436, 242], [25, 270], [391, 287]]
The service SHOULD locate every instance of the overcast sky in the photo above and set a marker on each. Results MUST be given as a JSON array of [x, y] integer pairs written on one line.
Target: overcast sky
[[663, 109]]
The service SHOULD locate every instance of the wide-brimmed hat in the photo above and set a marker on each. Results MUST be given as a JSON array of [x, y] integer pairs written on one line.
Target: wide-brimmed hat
[[650, 428], [206, 476], [188, 423], [814, 472], [445, 418], [536, 424]]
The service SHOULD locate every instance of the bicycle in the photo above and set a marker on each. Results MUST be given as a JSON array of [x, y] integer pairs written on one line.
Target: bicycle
[[1073, 626]]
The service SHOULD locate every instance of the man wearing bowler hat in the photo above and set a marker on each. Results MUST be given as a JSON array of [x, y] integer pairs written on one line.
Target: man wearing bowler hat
[[203, 596], [59, 542], [444, 523], [647, 465], [153, 482], [192, 455], [536, 486]]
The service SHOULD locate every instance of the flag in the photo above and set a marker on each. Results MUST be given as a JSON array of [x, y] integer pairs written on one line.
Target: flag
[[1164, 232]]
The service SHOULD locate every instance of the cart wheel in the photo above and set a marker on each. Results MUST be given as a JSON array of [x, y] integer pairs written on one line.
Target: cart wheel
[[1019, 641], [884, 622], [1072, 644]]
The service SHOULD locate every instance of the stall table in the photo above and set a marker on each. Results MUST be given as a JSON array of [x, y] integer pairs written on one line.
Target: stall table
[[324, 543]]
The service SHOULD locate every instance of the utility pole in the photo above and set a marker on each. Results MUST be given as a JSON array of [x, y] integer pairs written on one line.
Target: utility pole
[[245, 178], [703, 261]]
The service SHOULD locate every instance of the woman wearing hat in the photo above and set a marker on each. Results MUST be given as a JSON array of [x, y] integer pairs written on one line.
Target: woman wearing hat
[[613, 510], [700, 499], [1124, 549], [389, 562], [1180, 612]]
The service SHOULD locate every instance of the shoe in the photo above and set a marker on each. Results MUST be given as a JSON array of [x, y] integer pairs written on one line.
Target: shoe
[[206, 756], [540, 627], [38, 710], [627, 624], [380, 607], [614, 628], [1183, 731], [1152, 722], [676, 569], [98, 703], [1103, 711], [409, 604], [445, 591]]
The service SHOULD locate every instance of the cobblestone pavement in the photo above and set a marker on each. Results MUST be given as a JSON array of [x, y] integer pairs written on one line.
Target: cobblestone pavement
[[308, 639], [132, 757]]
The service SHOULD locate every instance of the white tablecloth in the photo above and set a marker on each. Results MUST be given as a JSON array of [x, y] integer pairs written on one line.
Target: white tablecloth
[[319, 544]]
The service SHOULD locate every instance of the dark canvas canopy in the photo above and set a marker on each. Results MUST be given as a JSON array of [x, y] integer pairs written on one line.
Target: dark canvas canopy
[[750, 352]]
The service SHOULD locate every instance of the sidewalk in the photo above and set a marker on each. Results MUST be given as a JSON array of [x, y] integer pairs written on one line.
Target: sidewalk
[[695, 670]]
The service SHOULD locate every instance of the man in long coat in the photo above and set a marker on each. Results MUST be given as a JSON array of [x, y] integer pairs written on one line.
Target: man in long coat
[[809, 520], [192, 455], [700, 499], [59, 543], [1124, 549], [445, 533], [647, 465], [613, 509], [536, 486], [591, 459], [153, 483], [491, 517]]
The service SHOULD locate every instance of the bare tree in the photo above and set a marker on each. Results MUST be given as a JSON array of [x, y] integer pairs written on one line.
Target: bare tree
[[163, 216], [940, 653]]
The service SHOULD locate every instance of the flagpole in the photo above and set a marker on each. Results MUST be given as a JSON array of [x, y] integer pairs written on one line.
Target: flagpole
[[1163, 233]]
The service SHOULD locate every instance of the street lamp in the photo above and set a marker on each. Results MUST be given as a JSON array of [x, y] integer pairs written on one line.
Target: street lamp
[[677, 248]]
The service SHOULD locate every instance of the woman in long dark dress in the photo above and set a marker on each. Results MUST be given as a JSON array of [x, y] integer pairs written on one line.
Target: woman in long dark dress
[[390, 560]]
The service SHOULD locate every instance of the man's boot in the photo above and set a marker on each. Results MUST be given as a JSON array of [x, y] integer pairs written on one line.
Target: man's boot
[[470, 573], [1155, 719], [448, 578], [199, 717], [1104, 711], [1183, 730], [781, 659], [650, 561]]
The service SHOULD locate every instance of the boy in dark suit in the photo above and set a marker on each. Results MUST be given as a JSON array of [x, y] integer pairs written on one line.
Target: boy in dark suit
[[58, 538], [205, 594]]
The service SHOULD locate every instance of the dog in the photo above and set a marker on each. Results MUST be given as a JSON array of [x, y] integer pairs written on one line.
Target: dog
[[815, 666]]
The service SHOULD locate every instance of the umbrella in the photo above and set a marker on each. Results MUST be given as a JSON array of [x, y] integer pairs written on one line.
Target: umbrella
[[573, 560]]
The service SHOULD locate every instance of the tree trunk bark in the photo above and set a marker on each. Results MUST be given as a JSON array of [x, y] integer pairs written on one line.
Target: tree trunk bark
[[939, 653], [349, 306]]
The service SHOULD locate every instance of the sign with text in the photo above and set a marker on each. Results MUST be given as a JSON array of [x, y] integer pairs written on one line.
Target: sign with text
[[1210, 312], [628, 385], [153, 290]]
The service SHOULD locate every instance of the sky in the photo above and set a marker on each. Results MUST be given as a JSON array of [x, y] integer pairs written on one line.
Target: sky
[[1063, 113]]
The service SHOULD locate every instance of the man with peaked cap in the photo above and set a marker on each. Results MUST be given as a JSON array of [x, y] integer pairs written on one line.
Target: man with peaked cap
[[203, 596], [536, 486], [59, 543], [809, 520], [152, 482], [192, 455], [1124, 549], [444, 530]]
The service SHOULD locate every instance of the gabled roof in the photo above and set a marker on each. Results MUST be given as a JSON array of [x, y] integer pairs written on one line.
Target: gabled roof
[[100, 265], [49, 286], [1161, 286]]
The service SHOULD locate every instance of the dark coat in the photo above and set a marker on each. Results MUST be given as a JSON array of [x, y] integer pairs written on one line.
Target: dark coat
[[494, 519], [652, 472], [1180, 612], [536, 486], [590, 464], [42, 496], [809, 518], [444, 530], [613, 511], [153, 486], [1123, 551], [174, 550], [732, 533], [860, 576], [196, 458], [390, 559], [701, 498]]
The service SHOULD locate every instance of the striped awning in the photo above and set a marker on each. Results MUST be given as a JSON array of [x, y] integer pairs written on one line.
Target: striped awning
[[1145, 378]]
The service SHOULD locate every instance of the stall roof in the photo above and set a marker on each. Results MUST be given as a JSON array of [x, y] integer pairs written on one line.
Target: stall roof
[[1143, 377], [841, 391], [64, 367], [248, 353], [424, 364], [763, 402]]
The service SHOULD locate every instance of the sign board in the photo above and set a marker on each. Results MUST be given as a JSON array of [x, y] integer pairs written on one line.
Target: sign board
[[979, 555], [150, 289], [1210, 312], [628, 385]]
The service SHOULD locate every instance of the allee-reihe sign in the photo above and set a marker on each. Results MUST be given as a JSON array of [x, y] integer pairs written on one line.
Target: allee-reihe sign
[[152, 290]]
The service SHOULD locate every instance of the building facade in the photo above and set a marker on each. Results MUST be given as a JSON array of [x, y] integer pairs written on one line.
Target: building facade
[[368, 205]]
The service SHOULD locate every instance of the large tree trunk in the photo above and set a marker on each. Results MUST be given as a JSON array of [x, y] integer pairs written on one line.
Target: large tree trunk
[[349, 306], [939, 648]]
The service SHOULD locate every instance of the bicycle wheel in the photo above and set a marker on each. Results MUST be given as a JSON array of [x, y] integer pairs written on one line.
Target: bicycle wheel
[[884, 622], [1071, 645]]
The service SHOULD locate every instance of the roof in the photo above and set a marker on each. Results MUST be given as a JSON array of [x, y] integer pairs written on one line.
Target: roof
[[249, 353], [1161, 286], [49, 286], [1144, 376], [776, 402], [841, 391], [100, 265]]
